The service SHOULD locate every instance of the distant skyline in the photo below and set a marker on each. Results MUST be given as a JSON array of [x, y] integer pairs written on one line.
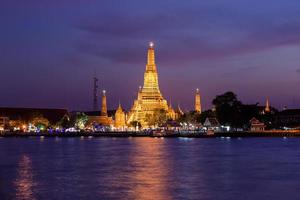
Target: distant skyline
[[51, 50]]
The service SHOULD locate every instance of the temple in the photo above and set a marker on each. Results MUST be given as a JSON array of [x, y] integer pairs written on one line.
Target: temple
[[197, 101], [104, 119], [120, 122], [267, 108], [149, 98]]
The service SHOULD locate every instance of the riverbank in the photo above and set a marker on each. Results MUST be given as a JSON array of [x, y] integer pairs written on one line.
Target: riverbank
[[147, 134]]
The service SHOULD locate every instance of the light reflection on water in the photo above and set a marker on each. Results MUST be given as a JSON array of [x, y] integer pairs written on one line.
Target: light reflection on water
[[149, 168], [24, 183]]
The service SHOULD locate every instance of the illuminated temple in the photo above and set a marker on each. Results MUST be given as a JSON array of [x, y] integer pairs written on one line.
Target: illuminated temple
[[149, 98]]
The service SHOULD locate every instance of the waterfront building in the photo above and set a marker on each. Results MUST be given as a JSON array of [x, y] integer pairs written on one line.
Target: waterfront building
[[149, 98], [120, 121], [93, 117], [212, 123], [256, 125], [100, 117], [4, 123], [197, 101]]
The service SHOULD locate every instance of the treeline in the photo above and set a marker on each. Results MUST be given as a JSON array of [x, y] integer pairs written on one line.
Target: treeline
[[229, 110]]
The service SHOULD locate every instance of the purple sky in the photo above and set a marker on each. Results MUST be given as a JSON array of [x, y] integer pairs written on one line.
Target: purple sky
[[50, 50]]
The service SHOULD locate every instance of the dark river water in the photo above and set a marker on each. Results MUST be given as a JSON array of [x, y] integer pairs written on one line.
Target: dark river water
[[149, 168]]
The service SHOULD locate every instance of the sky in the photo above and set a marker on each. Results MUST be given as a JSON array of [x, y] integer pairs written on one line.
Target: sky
[[51, 50]]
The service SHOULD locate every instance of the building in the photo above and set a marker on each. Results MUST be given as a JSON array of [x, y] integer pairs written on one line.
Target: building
[[256, 125], [149, 98], [4, 124], [267, 109], [197, 101], [171, 114], [94, 117], [212, 123], [103, 117], [120, 118]]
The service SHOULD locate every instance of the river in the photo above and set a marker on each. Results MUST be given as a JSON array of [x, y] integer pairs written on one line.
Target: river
[[149, 168]]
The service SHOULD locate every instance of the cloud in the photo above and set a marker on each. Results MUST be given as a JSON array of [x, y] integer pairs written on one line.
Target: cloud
[[69, 40], [205, 33], [298, 71]]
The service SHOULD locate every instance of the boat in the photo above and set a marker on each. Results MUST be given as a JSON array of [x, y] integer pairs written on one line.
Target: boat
[[163, 133]]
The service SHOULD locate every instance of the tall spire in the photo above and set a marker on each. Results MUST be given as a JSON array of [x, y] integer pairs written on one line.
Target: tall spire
[[140, 93], [267, 108], [151, 77], [151, 58], [197, 101], [104, 106], [149, 98], [120, 107], [119, 117]]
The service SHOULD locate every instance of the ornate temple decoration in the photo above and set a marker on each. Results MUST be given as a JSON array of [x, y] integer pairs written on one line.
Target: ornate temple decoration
[[104, 119], [267, 108], [197, 101], [120, 121], [149, 98]]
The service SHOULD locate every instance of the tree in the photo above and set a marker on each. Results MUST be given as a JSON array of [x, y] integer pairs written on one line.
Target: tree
[[17, 123], [64, 122], [40, 121], [80, 120], [157, 118], [206, 114], [190, 117], [228, 109], [249, 111]]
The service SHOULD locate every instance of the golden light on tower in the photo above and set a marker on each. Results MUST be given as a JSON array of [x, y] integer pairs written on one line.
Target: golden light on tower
[[120, 117], [149, 98], [197, 101], [104, 105], [104, 119], [267, 108]]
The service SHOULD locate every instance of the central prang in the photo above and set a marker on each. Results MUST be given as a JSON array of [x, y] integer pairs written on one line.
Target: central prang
[[150, 99]]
